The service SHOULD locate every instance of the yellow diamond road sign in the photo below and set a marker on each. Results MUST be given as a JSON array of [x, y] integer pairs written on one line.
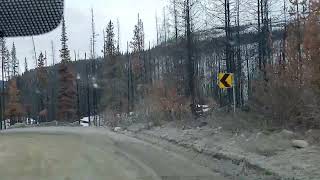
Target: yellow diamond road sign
[[225, 80]]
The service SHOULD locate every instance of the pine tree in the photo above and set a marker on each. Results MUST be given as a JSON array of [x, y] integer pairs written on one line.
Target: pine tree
[[14, 61], [112, 76], [42, 72], [14, 109], [137, 43], [137, 63], [42, 82], [110, 41], [41, 60], [67, 92], [64, 52]]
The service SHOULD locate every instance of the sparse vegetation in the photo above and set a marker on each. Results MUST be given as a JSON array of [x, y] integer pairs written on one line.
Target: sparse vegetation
[[275, 66]]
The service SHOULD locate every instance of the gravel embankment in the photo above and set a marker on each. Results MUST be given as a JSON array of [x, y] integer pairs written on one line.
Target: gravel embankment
[[267, 156]]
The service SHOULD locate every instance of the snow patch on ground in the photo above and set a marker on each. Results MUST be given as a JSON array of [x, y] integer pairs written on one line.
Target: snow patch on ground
[[85, 121]]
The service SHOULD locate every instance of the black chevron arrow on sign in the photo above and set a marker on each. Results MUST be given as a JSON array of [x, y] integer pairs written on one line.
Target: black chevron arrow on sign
[[224, 81]]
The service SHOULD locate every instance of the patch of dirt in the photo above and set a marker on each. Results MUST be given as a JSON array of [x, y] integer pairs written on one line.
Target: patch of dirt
[[313, 136], [266, 144]]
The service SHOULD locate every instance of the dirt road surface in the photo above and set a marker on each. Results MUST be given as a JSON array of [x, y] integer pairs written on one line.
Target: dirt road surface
[[90, 154]]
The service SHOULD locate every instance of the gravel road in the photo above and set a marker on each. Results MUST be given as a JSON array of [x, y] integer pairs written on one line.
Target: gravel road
[[90, 154]]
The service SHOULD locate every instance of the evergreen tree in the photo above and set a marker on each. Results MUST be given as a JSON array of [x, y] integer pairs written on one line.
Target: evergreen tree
[[64, 52], [110, 41], [137, 43], [112, 76], [41, 60], [42, 82], [137, 63], [41, 72], [14, 61], [67, 92]]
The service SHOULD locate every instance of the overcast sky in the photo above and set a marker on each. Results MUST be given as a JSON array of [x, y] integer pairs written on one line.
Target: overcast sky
[[78, 19]]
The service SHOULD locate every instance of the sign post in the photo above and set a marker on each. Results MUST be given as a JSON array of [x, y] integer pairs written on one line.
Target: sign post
[[226, 81], [234, 97]]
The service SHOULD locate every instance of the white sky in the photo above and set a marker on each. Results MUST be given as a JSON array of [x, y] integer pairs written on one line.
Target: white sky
[[78, 20]]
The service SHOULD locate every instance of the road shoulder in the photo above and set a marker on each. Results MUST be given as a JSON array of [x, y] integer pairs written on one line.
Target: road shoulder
[[276, 161]]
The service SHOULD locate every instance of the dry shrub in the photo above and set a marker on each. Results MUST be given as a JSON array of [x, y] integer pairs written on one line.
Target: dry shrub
[[165, 103], [290, 95], [311, 44], [280, 98], [111, 119], [14, 109]]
